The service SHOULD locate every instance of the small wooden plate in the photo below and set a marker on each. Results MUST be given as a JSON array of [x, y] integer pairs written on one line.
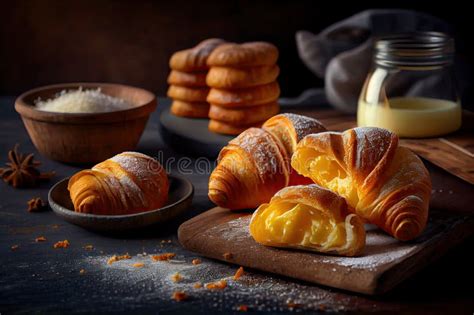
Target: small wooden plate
[[179, 200]]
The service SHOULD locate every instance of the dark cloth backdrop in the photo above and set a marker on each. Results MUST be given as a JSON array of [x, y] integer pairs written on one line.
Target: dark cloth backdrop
[[52, 41]]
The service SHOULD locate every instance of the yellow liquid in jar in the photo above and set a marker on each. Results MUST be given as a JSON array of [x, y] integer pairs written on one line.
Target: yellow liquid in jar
[[414, 117]]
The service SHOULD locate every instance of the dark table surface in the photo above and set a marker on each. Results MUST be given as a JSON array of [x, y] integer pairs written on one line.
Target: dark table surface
[[38, 278]]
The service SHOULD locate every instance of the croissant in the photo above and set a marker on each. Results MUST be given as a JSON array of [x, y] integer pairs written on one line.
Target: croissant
[[127, 183], [256, 164], [309, 217], [385, 183]]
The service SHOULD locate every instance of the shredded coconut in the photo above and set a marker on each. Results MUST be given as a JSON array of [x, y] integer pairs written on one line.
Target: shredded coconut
[[82, 101]]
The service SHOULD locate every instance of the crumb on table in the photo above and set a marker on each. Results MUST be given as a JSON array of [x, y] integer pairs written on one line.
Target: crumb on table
[[197, 285], [82, 271], [14, 247], [176, 277], [218, 285], [179, 296], [88, 247], [242, 308], [292, 304], [61, 244], [138, 265], [116, 258], [196, 261], [163, 257], [239, 273], [40, 239]]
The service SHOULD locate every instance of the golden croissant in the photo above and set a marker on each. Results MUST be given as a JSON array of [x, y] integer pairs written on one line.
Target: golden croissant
[[309, 217], [385, 183], [256, 164], [129, 182]]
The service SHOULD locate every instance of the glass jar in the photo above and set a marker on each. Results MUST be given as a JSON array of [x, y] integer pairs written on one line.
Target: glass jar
[[411, 88]]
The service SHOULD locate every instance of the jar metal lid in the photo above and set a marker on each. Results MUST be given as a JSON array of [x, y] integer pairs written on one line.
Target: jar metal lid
[[418, 49]]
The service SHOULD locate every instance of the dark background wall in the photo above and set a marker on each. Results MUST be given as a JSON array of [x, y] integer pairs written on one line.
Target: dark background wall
[[51, 41]]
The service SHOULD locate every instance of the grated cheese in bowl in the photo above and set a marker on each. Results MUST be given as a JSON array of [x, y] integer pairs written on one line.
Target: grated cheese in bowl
[[82, 101]]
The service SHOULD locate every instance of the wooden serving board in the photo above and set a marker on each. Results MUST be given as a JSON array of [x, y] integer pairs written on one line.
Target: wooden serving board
[[385, 262]]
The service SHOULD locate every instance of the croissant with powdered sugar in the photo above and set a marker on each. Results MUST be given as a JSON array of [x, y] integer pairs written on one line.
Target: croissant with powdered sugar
[[386, 184], [256, 164]]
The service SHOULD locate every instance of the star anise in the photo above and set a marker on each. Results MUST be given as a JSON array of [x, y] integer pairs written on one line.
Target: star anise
[[22, 170], [36, 205]]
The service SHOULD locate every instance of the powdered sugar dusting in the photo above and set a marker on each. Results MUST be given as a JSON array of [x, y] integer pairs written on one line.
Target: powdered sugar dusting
[[133, 192], [115, 188], [134, 163], [260, 145], [144, 169], [305, 125], [372, 145], [380, 250], [237, 230], [259, 292]]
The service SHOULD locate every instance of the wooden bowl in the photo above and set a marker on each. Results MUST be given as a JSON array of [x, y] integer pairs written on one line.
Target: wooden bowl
[[85, 138], [180, 198]]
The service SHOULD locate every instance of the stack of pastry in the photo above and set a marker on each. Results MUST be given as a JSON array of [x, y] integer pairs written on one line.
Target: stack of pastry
[[187, 79], [244, 91]]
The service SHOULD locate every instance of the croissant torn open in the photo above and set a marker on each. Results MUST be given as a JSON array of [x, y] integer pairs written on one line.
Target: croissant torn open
[[309, 217], [385, 183]]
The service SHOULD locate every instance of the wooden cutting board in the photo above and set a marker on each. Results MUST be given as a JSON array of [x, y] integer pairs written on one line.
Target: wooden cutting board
[[385, 262]]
